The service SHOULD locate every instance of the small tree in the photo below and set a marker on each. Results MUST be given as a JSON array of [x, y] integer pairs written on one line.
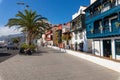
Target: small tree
[[16, 40]]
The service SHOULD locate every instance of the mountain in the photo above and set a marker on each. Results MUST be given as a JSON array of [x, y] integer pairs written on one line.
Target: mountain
[[9, 37]]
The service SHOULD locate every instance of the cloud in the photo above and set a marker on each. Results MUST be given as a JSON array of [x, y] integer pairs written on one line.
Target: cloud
[[1, 1], [8, 31]]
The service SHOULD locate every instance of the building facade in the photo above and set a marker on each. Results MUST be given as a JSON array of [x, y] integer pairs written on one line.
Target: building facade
[[66, 37], [49, 37], [102, 22], [79, 40]]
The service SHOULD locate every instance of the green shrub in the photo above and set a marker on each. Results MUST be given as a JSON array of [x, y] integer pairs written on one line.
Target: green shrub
[[25, 46], [32, 47]]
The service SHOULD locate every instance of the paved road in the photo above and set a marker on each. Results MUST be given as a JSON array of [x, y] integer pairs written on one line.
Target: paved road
[[6, 54], [52, 65]]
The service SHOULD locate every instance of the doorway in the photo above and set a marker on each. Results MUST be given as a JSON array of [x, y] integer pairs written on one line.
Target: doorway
[[81, 46], [107, 48], [76, 46]]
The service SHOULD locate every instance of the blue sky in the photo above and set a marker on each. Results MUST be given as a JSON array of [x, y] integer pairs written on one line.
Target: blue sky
[[57, 11]]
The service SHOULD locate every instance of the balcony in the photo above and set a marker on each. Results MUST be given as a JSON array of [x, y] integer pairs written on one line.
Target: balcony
[[49, 38], [72, 29], [77, 28], [65, 30], [105, 10], [115, 31]]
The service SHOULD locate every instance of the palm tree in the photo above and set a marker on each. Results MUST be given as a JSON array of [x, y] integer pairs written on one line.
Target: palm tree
[[30, 22]]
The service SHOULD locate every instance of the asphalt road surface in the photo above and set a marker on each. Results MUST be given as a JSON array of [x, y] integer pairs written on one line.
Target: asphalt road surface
[[51, 64], [6, 54]]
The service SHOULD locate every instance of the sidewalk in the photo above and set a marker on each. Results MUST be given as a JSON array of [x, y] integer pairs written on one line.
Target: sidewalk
[[100, 61]]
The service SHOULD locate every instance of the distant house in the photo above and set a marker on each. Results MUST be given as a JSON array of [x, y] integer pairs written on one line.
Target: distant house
[[49, 37], [66, 37], [103, 26]]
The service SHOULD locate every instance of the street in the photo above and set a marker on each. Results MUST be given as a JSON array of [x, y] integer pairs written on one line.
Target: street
[[51, 64], [6, 54]]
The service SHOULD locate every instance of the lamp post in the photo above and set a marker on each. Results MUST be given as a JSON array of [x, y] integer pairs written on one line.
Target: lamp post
[[22, 3], [26, 6]]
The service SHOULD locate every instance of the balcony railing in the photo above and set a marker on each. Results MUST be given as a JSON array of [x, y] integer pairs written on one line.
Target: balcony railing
[[105, 8], [106, 29], [105, 33], [96, 31]]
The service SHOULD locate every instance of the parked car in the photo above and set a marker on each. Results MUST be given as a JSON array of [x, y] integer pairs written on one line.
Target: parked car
[[12, 46], [2, 45]]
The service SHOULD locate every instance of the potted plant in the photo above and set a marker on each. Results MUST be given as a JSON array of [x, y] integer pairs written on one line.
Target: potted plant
[[101, 7], [117, 24], [27, 49], [100, 28], [91, 30]]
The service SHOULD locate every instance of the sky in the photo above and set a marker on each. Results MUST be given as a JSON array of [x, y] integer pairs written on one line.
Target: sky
[[56, 11]]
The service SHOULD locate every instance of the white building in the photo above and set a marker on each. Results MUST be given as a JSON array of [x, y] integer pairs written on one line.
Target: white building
[[41, 41], [79, 40], [92, 1]]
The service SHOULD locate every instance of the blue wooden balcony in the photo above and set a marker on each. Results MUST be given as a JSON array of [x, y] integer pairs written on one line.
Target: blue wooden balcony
[[105, 33], [103, 13]]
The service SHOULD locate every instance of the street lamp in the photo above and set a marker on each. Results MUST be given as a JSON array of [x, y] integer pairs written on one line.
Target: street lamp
[[27, 6], [22, 3]]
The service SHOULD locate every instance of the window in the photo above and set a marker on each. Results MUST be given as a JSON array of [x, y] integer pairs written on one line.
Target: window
[[81, 36], [75, 36], [106, 23], [117, 46]]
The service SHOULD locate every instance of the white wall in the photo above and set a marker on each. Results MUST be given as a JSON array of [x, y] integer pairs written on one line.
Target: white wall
[[85, 45], [118, 57], [92, 1], [43, 38], [83, 40], [39, 41], [97, 47], [101, 49], [80, 11], [78, 40]]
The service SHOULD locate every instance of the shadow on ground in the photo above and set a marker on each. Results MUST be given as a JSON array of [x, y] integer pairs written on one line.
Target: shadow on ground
[[4, 54], [45, 50]]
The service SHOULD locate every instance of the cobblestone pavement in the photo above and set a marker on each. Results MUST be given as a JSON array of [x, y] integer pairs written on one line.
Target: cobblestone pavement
[[51, 64]]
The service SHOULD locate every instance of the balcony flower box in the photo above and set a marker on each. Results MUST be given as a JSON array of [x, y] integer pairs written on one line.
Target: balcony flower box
[[91, 30], [117, 24], [100, 28]]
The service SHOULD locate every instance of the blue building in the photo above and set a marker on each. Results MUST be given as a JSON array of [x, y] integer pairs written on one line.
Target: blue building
[[103, 26]]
